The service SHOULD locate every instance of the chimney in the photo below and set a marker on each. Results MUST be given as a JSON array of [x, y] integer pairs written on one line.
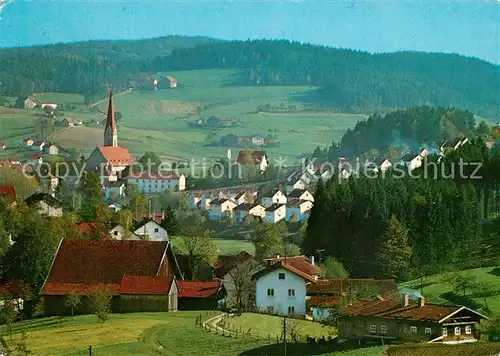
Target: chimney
[[312, 260], [421, 302], [277, 256], [405, 300]]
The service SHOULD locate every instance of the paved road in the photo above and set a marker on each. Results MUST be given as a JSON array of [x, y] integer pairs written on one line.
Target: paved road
[[103, 100]]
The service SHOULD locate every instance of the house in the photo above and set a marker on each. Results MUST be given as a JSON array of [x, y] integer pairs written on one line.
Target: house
[[236, 272], [412, 161], [327, 293], [219, 121], [114, 190], [35, 159], [30, 103], [448, 146], [256, 158], [82, 266], [51, 181], [38, 145], [302, 263], [8, 192], [200, 295], [148, 294], [300, 195], [403, 320], [220, 209], [275, 213], [241, 197], [193, 200], [118, 232], [68, 122], [298, 183], [298, 210], [383, 164], [28, 142], [274, 197], [258, 140], [46, 203], [52, 149], [150, 230], [205, 200], [3, 146], [281, 289], [158, 182], [172, 82], [245, 209]]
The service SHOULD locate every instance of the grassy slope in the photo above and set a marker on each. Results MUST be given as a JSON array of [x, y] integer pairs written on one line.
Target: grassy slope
[[434, 288], [225, 246], [141, 334]]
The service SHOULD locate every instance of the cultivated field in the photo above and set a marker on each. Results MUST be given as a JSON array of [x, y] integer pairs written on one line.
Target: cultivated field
[[434, 289], [147, 334]]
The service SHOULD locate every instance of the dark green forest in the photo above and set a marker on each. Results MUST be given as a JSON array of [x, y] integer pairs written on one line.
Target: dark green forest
[[408, 226], [348, 80]]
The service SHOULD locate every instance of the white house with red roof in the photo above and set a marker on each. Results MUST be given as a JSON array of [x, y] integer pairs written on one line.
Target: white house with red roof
[[157, 182], [281, 289], [109, 159]]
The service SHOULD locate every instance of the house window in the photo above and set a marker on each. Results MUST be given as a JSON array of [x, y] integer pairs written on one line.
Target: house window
[[445, 332], [457, 330], [291, 310], [383, 329], [270, 292], [413, 329], [291, 292], [373, 329], [468, 329], [428, 331], [281, 276], [156, 229]]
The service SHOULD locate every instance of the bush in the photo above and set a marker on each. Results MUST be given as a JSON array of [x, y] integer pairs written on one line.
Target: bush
[[100, 302]]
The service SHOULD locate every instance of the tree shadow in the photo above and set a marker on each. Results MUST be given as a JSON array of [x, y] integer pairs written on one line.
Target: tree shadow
[[300, 349], [495, 271]]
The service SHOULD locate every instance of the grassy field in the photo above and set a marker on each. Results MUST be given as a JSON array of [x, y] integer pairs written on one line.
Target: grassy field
[[266, 325], [435, 289], [143, 334], [225, 246]]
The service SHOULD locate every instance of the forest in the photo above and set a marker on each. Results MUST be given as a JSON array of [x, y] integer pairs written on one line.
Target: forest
[[347, 80], [407, 226]]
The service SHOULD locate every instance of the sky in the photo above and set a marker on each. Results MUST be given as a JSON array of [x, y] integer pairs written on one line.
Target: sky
[[470, 28]]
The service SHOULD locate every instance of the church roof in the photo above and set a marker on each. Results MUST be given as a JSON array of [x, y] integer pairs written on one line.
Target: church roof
[[116, 155], [110, 121]]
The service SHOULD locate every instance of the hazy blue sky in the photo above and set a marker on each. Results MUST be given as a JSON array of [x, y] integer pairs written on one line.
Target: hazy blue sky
[[471, 28]]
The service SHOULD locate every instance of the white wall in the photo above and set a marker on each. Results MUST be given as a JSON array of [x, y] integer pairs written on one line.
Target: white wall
[[281, 301], [159, 185], [155, 231], [276, 215]]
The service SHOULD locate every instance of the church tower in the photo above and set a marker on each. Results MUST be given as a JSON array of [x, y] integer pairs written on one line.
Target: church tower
[[110, 132]]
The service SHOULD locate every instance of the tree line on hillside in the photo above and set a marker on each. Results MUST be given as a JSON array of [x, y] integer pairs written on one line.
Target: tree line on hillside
[[404, 227], [348, 80]]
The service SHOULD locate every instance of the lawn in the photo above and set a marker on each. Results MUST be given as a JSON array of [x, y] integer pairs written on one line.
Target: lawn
[[271, 326], [434, 289], [147, 334], [225, 246], [60, 98]]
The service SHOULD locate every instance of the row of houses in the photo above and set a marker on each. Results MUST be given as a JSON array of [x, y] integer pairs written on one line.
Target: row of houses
[[40, 146]]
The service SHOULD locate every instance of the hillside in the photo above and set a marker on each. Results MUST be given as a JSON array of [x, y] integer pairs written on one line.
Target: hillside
[[348, 80]]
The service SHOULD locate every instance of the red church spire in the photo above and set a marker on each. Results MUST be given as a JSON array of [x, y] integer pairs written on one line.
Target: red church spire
[[111, 112]]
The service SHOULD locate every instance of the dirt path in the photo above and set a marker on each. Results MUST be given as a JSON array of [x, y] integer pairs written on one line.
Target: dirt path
[[103, 100]]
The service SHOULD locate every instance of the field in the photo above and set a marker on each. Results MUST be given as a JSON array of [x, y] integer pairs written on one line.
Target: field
[[225, 246], [434, 289], [143, 334]]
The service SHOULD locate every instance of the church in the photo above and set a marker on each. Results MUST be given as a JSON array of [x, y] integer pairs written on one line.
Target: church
[[110, 159]]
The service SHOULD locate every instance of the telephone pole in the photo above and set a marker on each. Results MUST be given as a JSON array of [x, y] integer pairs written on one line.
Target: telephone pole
[[284, 333]]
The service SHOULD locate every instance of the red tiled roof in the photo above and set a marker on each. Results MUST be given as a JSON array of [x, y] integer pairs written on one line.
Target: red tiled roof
[[301, 263], [342, 286], [320, 301], [146, 285], [393, 309], [160, 175], [257, 157], [288, 267], [103, 261], [51, 288], [9, 191], [116, 155], [198, 289]]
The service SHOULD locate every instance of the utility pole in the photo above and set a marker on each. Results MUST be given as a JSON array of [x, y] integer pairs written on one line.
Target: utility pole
[[90, 350], [284, 333]]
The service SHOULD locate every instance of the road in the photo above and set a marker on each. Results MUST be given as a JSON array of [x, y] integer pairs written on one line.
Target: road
[[103, 100]]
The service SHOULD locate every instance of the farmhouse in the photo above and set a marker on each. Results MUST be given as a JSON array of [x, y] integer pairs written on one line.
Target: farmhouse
[[219, 121], [46, 204], [275, 213], [172, 82], [110, 157], [298, 210], [150, 230], [200, 295], [246, 209], [52, 149], [148, 294], [220, 209], [256, 158], [281, 289], [302, 263], [82, 266], [408, 321], [31, 103], [158, 182]]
